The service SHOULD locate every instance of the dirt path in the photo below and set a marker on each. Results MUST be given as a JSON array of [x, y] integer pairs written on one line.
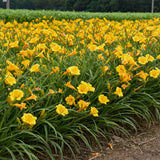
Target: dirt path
[[143, 146]]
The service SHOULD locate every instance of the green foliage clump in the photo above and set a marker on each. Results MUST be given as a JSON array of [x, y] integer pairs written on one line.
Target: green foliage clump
[[29, 15]]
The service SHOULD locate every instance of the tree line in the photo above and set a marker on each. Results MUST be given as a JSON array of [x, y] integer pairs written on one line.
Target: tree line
[[86, 5]]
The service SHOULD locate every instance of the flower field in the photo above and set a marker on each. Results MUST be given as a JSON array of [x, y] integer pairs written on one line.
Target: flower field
[[62, 81]]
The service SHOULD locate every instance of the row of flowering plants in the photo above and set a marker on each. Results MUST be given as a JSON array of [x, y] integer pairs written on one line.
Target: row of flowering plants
[[22, 15], [70, 80]]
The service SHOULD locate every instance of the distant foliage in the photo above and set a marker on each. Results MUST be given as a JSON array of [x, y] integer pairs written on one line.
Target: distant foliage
[[86, 5], [28, 15]]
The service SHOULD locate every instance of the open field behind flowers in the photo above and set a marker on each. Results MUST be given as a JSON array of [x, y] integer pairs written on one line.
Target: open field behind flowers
[[70, 80]]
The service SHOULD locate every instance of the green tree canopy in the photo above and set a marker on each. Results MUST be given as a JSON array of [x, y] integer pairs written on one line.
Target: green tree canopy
[[86, 5]]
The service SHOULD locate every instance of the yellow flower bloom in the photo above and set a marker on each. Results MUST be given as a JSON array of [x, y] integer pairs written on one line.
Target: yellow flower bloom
[[21, 106], [11, 66], [92, 47], [60, 90], [83, 105], [54, 70], [136, 38], [126, 58], [61, 110], [51, 92], [29, 119], [142, 74], [103, 99], [16, 94], [73, 70], [34, 40], [70, 100], [104, 69], [26, 63], [94, 111], [158, 70], [128, 44], [142, 60], [84, 87], [119, 92], [9, 79], [101, 57], [101, 47], [121, 70], [124, 86], [68, 84], [31, 97], [125, 77], [41, 55], [73, 53], [41, 46], [24, 53], [150, 58], [154, 73], [35, 68], [55, 47], [158, 57], [90, 87], [14, 44]]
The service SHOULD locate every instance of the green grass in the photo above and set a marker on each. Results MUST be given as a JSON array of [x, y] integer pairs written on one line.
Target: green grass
[[29, 15]]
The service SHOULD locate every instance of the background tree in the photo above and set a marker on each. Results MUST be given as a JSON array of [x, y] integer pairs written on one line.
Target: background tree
[[25, 4], [156, 6], [86, 5], [69, 5], [81, 5], [93, 6], [114, 5]]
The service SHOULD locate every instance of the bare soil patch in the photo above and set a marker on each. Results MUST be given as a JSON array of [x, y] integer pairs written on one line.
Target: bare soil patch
[[145, 145]]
